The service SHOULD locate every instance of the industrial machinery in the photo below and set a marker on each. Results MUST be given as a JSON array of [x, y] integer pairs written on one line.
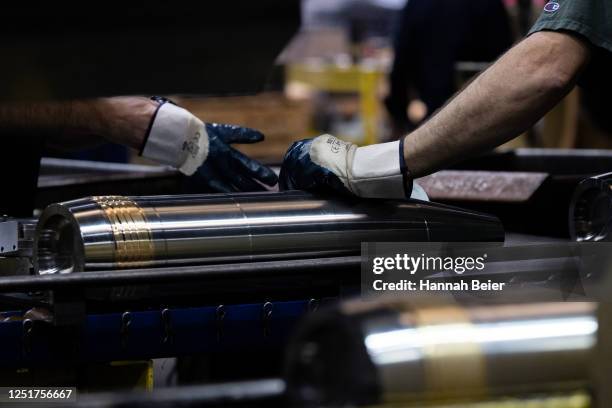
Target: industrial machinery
[[425, 352], [230, 276], [185, 271], [529, 190], [590, 213], [136, 278]]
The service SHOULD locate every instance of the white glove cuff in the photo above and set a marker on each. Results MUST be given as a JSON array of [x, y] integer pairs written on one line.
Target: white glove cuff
[[376, 171], [177, 138]]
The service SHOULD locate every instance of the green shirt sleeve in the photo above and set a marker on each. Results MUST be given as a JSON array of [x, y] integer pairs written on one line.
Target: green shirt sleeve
[[590, 18]]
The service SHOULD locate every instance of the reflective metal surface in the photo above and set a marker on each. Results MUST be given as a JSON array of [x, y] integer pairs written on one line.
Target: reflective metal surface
[[16, 240], [120, 232], [402, 352], [590, 214]]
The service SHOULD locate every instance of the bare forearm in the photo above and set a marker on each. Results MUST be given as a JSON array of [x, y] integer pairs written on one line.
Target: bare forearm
[[48, 117], [501, 103], [73, 124]]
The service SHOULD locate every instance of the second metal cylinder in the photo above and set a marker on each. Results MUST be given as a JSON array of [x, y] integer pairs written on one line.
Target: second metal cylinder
[[400, 352]]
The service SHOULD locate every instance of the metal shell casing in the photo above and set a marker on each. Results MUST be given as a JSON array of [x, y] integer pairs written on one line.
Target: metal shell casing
[[125, 232]]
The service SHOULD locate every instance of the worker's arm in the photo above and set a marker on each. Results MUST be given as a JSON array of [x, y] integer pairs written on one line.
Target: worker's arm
[[161, 131], [71, 125], [502, 102]]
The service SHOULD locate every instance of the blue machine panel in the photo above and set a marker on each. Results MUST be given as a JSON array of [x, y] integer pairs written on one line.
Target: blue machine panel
[[150, 334]]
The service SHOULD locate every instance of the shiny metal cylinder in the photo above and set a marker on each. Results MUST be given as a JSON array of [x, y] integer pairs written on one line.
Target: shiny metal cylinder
[[590, 214], [125, 232], [370, 353]]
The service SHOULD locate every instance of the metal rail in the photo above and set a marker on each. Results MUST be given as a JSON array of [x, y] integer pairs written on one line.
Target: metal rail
[[321, 266]]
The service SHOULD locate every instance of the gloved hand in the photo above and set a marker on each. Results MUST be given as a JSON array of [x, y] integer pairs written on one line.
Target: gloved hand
[[328, 164], [202, 150]]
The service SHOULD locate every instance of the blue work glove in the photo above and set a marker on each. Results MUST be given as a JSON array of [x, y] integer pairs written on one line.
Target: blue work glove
[[202, 150], [329, 165], [227, 169]]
